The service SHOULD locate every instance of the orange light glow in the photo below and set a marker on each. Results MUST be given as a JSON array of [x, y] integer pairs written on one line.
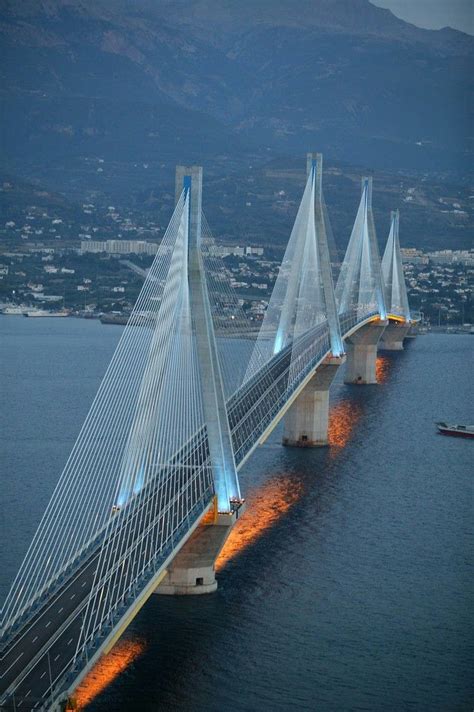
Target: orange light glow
[[342, 419], [211, 516], [382, 369], [395, 317], [265, 506], [107, 669]]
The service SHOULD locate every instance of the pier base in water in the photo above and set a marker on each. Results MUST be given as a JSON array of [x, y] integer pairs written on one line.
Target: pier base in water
[[393, 336], [307, 420], [192, 571], [362, 353]]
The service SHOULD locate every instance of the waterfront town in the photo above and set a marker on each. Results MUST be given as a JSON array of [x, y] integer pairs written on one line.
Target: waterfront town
[[89, 258], [105, 276]]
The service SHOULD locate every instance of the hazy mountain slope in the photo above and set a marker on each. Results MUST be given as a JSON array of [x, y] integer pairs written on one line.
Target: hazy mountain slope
[[191, 79]]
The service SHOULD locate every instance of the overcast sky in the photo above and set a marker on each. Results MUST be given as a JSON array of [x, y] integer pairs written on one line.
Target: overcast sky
[[433, 14]]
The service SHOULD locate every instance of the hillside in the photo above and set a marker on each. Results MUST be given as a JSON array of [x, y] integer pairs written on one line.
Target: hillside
[[193, 79], [101, 100]]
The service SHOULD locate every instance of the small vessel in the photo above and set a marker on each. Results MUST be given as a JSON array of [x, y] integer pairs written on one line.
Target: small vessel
[[45, 312], [459, 431], [13, 310]]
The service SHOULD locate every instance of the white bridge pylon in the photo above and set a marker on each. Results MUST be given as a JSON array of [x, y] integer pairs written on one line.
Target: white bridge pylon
[[303, 295], [360, 287], [143, 443], [396, 297], [213, 398]]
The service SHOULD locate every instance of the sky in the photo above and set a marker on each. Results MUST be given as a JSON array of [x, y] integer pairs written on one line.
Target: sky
[[433, 14]]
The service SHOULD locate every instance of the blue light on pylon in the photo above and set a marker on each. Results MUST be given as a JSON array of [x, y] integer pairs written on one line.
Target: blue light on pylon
[[139, 479], [277, 346], [187, 183], [122, 498], [381, 305], [337, 347]]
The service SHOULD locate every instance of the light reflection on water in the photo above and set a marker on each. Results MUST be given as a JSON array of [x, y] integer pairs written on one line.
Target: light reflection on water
[[108, 668], [265, 506], [382, 368], [343, 417], [368, 607]]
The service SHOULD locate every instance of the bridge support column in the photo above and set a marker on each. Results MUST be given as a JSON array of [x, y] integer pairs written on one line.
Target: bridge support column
[[219, 436], [192, 571], [306, 421], [392, 337], [361, 350]]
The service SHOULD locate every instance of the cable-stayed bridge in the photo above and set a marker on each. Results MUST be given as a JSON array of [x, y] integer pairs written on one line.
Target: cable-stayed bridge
[[151, 488]]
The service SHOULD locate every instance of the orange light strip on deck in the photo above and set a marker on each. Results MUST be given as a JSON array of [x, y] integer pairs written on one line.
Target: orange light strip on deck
[[395, 317]]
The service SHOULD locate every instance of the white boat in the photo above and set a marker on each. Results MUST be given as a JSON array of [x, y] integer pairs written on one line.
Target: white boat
[[459, 431], [46, 313], [13, 310]]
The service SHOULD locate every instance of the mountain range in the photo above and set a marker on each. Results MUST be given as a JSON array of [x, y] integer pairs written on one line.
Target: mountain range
[[100, 100], [197, 80]]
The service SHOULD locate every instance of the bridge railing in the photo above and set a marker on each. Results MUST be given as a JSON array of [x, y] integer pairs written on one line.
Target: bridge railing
[[95, 634], [251, 409], [257, 403], [255, 406], [349, 319], [194, 489], [95, 638]]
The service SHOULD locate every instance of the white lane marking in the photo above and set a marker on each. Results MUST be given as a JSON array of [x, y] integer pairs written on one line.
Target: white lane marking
[[27, 693], [13, 663], [69, 641], [72, 596], [35, 638], [61, 609], [48, 624], [68, 586], [41, 676], [57, 656], [20, 703], [82, 585]]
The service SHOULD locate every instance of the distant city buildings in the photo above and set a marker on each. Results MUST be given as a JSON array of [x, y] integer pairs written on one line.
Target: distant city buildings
[[413, 256], [141, 247], [446, 257], [227, 251], [119, 247]]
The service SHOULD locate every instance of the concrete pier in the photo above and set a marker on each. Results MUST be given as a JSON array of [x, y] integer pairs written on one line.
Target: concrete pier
[[361, 350], [192, 571], [306, 421], [392, 337]]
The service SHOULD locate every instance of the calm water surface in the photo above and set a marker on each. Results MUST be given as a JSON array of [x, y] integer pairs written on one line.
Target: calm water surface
[[348, 584]]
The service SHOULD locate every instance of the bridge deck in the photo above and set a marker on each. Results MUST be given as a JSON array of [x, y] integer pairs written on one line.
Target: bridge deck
[[41, 656]]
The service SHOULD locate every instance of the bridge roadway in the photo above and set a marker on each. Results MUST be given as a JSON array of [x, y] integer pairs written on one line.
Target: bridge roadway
[[41, 655]]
